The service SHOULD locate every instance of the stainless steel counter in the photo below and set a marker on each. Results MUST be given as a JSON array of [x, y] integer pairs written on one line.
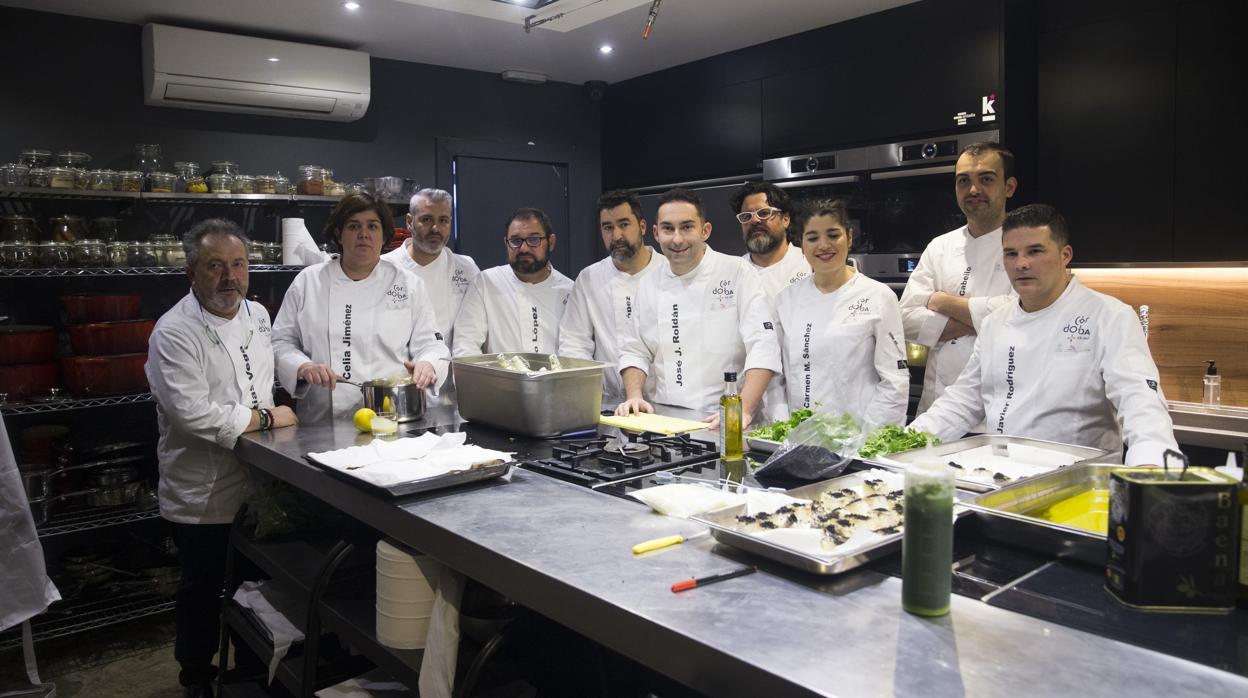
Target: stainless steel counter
[[1222, 427], [564, 551]]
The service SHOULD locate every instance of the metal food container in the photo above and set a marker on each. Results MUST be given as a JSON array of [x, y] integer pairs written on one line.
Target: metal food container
[[544, 404], [405, 400], [897, 462]]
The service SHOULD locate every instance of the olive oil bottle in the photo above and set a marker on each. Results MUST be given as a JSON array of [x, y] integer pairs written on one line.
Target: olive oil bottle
[[730, 419]]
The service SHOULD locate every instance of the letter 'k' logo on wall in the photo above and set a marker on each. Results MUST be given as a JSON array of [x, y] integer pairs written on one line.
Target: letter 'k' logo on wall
[[988, 108]]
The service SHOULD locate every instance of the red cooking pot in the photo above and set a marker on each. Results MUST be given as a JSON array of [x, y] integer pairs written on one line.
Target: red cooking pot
[[93, 308], [27, 344], [24, 380], [125, 337], [90, 376]]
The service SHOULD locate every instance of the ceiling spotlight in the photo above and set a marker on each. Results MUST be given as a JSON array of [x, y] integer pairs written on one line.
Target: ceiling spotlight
[[274, 59], [353, 6], [605, 49]]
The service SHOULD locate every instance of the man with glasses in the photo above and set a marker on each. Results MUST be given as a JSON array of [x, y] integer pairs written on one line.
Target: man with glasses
[[960, 278], [701, 316], [605, 297], [516, 307], [210, 366], [764, 210], [445, 273]]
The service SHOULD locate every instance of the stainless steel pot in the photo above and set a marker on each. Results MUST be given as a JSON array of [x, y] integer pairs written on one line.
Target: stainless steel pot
[[406, 401]]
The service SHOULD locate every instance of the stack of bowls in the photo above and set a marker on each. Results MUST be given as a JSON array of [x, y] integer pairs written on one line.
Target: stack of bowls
[[404, 596], [109, 342]]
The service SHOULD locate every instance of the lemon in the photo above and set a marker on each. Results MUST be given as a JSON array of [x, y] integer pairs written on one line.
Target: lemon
[[387, 405], [363, 419]]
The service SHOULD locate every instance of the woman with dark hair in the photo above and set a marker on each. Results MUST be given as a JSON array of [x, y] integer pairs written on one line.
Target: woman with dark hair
[[353, 318], [840, 332]]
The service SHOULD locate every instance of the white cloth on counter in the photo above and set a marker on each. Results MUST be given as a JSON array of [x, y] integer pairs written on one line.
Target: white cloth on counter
[[446, 282], [845, 350], [273, 607], [1070, 373], [684, 499], [960, 265], [363, 330], [693, 328], [501, 313], [386, 463], [603, 304], [791, 268], [207, 374]]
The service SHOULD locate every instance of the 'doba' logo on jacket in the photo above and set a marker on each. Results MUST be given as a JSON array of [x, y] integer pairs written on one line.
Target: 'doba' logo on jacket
[[1076, 333]]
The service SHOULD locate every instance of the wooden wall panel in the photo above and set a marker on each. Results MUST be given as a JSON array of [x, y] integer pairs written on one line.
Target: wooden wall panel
[[1195, 313]]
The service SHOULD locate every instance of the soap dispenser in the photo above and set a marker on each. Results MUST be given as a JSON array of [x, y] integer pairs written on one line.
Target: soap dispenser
[[1213, 385]]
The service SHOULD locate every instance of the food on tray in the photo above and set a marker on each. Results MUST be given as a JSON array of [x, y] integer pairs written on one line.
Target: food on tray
[[519, 363], [893, 438], [776, 431]]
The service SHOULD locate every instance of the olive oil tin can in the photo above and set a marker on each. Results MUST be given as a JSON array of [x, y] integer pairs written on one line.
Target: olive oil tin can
[[1173, 539]]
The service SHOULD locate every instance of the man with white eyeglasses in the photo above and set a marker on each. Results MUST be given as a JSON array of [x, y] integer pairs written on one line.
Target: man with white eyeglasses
[[210, 367], [516, 307], [764, 211]]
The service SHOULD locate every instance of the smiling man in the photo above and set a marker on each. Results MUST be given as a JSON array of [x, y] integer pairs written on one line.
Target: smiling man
[[764, 212], [959, 279], [516, 307], [605, 295], [1063, 363], [702, 315]]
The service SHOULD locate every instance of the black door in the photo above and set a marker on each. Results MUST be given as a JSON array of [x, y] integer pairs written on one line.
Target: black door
[[487, 190]]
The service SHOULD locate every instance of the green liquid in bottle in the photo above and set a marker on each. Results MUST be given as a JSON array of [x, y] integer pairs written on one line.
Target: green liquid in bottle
[[927, 543]]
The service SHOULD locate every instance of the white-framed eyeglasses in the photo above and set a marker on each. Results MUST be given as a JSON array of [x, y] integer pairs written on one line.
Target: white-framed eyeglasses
[[761, 214]]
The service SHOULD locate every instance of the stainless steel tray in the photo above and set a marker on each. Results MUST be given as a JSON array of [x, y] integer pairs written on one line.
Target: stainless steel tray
[[1003, 514], [724, 528], [533, 404], [950, 450], [762, 445], [454, 479]]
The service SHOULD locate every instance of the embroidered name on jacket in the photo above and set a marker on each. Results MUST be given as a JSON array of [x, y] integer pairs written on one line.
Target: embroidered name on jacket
[[346, 340], [537, 329], [680, 364], [1009, 391]]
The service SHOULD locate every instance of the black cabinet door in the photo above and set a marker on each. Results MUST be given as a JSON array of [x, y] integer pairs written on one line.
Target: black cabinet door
[[660, 133], [1107, 134], [1211, 150]]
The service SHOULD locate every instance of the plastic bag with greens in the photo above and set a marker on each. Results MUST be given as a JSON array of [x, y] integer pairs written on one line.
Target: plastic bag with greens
[[818, 448]]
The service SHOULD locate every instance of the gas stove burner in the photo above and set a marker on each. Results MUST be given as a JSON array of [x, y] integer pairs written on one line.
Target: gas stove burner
[[634, 454], [593, 462], [578, 450]]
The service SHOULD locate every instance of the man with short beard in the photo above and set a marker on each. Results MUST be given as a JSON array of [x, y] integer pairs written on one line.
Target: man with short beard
[[516, 307], [210, 366], [605, 295], [764, 212], [445, 273]]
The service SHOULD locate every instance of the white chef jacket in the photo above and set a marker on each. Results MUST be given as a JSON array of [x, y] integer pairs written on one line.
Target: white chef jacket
[[791, 268], [959, 265], [844, 350], [1068, 373], [207, 374], [363, 330], [602, 305], [446, 281], [502, 313], [25, 589], [691, 329]]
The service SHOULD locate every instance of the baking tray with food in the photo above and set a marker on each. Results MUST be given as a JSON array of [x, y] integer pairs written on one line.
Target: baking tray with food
[[476, 473], [987, 462], [827, 528]]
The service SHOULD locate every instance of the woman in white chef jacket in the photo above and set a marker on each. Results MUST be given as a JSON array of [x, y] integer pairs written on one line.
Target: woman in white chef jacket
[[840, 332], [353, 318]]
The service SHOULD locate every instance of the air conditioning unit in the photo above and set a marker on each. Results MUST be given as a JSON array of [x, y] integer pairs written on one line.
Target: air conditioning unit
[[193, 69]]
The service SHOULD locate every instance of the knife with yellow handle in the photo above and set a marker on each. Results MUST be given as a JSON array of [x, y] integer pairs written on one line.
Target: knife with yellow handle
[[665, 541]]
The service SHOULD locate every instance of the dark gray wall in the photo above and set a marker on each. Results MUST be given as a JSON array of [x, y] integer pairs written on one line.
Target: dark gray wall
[[79, 86]]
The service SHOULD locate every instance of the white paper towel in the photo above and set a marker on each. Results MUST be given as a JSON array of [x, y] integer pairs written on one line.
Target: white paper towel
[[298, 247]]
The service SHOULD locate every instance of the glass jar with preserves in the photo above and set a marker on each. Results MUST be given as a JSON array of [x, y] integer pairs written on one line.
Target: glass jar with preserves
[[62, 178], [333, 188], [13, 174], [35, 157], [107, 229], [90, 253], [142, 254], [281, 185], [225, 167], [255, 253], [68, 228], [163, 246], [266, 184], [72, 158], [273, 253], [184, 170], [243, 184], [37, 177], [311, 180], [355, 188], [128, 180], [118, 254], [19, 229], [161, 182], [148, 157], [101, 180], [55, 255], [18, 254], [220, 183]]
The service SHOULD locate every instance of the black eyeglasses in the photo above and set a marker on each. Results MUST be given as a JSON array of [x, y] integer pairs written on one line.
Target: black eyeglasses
[[531, 241], [762, 214]]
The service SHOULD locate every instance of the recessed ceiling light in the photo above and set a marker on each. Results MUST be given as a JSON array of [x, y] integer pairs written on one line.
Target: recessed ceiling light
[[274, 59], [605, 49], [353, 6]]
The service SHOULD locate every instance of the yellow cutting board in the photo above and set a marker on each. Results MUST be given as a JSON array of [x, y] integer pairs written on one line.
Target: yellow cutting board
[[655, 423]]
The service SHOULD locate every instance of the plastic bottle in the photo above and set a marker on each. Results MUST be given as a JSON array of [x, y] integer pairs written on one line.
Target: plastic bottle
[[730, 419], [1213, 385], [927, 538]]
